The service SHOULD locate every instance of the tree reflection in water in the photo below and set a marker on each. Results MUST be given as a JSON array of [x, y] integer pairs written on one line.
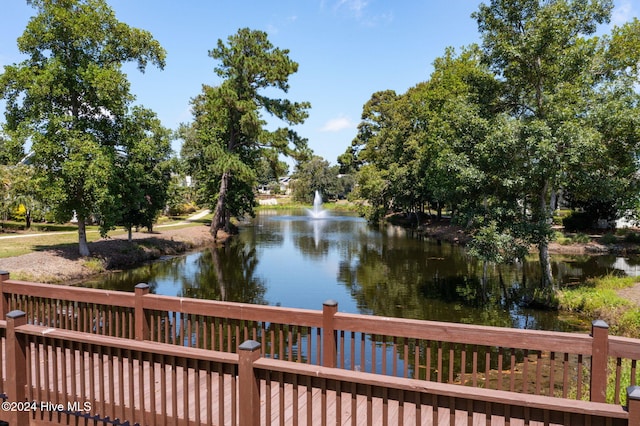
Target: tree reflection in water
[[227, 273], [285, 258]]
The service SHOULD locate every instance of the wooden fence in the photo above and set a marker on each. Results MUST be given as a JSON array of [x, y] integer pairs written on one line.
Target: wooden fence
[[565, 365]]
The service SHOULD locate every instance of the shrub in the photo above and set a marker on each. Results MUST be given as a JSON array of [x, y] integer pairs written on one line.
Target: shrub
[[560, 238], [632, 237], [94, 264], [182, 209], [609, 238], [578, 221], [19, 213], [581, 238]]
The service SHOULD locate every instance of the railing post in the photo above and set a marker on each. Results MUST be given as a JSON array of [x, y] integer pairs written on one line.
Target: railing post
[[248, 384], [599, 360], [4, 299], [141, 318], [329, 341], [16, 365], [633, 404]]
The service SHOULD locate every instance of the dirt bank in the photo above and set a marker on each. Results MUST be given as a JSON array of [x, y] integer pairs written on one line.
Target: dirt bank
[[443, 230], [63, 264]]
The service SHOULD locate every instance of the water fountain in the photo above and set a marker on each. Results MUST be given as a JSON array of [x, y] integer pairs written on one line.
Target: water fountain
[[317, 212]]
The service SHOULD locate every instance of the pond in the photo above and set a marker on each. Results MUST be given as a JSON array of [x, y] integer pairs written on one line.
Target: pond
[[293, 260]]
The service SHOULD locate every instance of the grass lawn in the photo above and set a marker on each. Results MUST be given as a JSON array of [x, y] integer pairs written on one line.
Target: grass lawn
[[44, 236], [18, 244]]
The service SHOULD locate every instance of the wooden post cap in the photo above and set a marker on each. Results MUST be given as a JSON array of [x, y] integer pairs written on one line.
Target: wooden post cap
[[330, 302], [249, 345], [599, 324], [16, 314]]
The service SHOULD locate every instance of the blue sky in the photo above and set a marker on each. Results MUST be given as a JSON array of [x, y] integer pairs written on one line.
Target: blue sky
[[346, 50]]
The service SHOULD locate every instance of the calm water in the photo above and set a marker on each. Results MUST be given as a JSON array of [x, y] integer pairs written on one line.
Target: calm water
[[291, 260]]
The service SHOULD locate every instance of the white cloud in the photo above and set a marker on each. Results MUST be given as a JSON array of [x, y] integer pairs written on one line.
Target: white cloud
[[353, 6], [337, 124], [623, 12], [361, 11]]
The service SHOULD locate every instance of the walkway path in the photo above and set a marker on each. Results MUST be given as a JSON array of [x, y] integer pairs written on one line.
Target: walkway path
[[190, 219]]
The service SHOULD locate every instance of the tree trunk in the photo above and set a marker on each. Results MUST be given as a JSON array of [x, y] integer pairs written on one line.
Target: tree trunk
[[543, 245], [219, 220], [545, 264], [130, 234], [82, 236]]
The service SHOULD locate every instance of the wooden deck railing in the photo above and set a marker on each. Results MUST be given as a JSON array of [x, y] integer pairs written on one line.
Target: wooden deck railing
[[69, 377], [565, 365]]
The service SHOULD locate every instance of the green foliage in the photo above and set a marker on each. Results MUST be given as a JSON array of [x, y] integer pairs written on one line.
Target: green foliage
[[493, 245], [227, 140], [144, 170], [317, 175], [20, 194], [629, 321], [499, 132], [598, 298], [609, 238], [545, 297], [95, 265], [269, 170], [581, 238], [589, 300], [578, 238], [69, 98], [560, 238], [11, 150], [632, 237]]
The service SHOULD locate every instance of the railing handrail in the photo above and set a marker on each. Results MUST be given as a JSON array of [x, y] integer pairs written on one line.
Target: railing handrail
[[70, 293], [128, 344], [465, 333], [233, 310], [444, 389], [624, 347]]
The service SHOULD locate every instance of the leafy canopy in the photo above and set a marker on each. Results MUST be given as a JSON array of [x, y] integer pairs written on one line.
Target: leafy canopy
[[69, 98]]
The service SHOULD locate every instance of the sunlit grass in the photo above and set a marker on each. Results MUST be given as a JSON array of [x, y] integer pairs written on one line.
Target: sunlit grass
[[599, 298], [287, 203], [10, 247], [47, 236]]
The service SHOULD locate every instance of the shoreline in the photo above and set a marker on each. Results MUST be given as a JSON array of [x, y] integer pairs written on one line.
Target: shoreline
[[443, 230], [63, 265]]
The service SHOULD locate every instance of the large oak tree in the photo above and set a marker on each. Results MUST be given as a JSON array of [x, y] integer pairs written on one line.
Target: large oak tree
[[69, 97], [556, 77]]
